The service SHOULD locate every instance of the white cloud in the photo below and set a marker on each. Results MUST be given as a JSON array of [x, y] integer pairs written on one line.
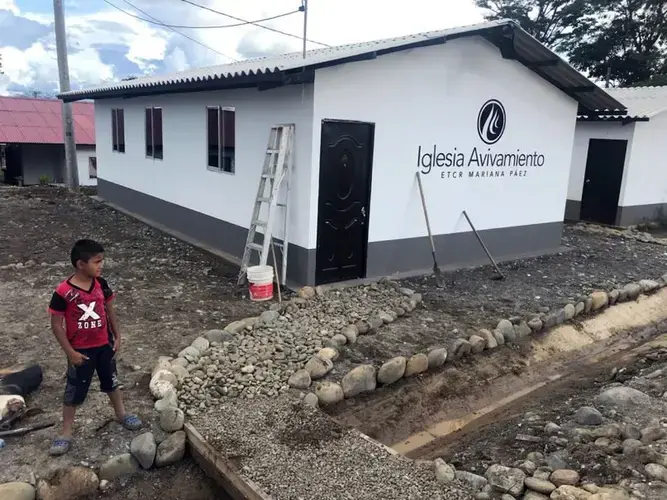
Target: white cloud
[[151, 47]]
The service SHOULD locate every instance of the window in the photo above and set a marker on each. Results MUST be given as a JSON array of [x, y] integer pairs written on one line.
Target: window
[[154, 133], [221, 139], [92, 167], [118, 130]]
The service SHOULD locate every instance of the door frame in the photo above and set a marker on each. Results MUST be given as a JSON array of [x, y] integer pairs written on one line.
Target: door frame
[[583, 214], [367, 193]]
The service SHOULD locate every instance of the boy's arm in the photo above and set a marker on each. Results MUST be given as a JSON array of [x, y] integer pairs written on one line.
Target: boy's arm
[[113, 321], [57, 309]]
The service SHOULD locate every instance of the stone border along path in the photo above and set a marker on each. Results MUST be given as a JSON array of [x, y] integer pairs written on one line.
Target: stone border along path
[[236, 369]]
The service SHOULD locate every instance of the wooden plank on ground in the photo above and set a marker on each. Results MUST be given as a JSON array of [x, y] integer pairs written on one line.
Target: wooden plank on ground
[[216, 466]]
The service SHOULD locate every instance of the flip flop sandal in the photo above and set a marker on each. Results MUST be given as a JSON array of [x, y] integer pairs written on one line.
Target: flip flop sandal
[[60, 446], [131, 422]]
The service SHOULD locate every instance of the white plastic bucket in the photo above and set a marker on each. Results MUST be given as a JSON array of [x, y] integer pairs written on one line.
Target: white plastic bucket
[[260, 283]]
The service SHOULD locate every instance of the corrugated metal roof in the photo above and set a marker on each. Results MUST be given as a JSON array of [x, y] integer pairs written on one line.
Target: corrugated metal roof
[[642, 102], [39, 121], [513, 42]]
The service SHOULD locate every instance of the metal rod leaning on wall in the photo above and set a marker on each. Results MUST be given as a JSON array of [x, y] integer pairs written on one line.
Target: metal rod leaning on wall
[[499, 275]]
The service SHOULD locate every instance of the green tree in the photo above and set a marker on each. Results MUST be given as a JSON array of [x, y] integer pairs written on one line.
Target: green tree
[[550, 21], [625, 41]]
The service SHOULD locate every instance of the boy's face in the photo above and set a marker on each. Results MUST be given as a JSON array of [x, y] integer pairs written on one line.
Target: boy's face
[[93, 267]]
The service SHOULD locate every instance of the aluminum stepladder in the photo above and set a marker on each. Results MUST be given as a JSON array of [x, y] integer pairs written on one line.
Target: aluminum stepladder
[[276, 173]]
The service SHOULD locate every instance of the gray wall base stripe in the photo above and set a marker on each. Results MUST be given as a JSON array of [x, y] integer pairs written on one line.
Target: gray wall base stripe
[[462, 249], [572, 210], [636, 214], [220, 237]]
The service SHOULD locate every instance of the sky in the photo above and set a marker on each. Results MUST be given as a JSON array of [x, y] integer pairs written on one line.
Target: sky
[[105, 44]]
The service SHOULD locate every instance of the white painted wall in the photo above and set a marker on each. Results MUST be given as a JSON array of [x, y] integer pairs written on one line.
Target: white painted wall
[[432, 96], [645, 181], [584, 132], [83, 153], [182, 176]]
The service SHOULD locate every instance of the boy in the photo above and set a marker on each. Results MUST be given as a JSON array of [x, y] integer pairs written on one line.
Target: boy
[[84, 322]]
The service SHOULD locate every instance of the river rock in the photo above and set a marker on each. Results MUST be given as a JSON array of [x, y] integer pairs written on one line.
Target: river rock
[[490, 341], [392, 370], [587, 415], [499, 337], [329, 393], [534, 495], [506, 479], [162, 381], [299, 380], [630, 446], [569, 311], [268, 317], [68, 483], [477, 344], [329, 353], [143, 448], [318, 366], [579, 308], [648, 286], [182, 362], [460, 348], [359, 379], [172, 419], [180, 372], [375, 321], [539, 485], [189, 353], [444, 473], [363, 327], [613, 297], [307, 292], [242, 324], [350, 332], [522, 330], [201, 344], [505, 327], [535, 324], [122, 465], [632, 290], [163, 363], [475, 481], [652, 433], [417, 363], [562, 477], [623, 396], [552, 429], [600, 300], [171, 450], [655, 471], [17, 491], [436, 357], [170, 400], [218, 336], [567, 492], [310, 399]]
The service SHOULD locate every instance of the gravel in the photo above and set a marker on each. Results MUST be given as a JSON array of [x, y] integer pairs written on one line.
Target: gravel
[[293, 451]]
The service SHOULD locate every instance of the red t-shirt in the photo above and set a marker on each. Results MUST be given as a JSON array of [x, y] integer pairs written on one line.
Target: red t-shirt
[[84, 312]]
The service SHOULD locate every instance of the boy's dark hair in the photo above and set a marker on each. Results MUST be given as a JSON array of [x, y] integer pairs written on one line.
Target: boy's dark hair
[[84, 250]]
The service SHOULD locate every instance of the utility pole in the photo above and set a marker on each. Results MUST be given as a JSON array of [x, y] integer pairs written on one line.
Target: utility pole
[[305, 25], [71, 167]]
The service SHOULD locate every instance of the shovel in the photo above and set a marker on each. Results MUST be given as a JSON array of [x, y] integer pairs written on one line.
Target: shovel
[[439, 280], [499, 275]]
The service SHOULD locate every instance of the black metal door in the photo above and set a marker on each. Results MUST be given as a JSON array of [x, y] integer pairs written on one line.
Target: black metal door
[[14, 162], [346, 163], [602, 181]]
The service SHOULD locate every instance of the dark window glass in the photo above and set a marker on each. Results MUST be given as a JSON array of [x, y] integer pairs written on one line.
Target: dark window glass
[[149, 132], [114, 130], [213, 138], [228, 134], [157, 133], [121, 130]]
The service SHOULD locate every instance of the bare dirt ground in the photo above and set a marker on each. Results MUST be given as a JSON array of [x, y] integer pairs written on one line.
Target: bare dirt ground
[[471, 300], [168, 293]]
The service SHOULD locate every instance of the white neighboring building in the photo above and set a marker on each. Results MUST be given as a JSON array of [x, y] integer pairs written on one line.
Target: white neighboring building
[[619, 172], [485, 112]]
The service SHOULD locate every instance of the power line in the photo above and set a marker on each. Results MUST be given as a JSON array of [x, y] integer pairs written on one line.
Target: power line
[[157, 21], [253, 23], [215, 26]]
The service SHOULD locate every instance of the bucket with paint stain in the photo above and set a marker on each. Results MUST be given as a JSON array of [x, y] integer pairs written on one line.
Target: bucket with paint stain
[[260, 283]]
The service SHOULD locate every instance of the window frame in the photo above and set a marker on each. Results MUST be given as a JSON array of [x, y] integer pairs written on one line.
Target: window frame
[[118, 130], [150, 111], [220, 139]]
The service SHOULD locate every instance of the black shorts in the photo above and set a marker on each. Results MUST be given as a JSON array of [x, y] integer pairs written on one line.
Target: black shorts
[[100, 360]]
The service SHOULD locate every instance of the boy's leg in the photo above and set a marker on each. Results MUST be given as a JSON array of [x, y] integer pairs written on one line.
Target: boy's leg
[[76, 390], [106, 371]]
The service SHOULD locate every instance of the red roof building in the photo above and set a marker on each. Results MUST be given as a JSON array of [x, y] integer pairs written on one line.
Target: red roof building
[[39, 121]]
